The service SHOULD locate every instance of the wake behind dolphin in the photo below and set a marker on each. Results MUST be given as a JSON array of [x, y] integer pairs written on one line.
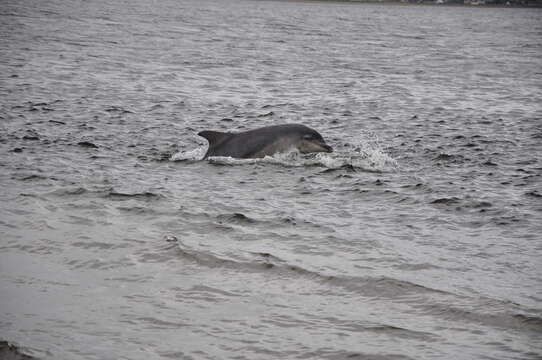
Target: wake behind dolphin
[[264, 141]]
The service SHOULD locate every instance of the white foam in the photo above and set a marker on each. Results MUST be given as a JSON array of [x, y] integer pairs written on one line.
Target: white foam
[[192, 155], [286, 159], [365, 153], [372, 160]]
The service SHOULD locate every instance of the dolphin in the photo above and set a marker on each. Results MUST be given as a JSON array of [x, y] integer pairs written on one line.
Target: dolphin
[[264, 141]]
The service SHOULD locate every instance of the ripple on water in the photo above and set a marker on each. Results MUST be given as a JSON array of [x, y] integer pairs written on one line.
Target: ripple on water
[[417, 238]]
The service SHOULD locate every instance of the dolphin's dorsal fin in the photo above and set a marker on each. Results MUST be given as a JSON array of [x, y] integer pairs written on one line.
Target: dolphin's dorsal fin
[[214, 137]]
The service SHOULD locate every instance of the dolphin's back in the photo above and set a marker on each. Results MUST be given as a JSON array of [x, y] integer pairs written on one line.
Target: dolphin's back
[[248, 144]]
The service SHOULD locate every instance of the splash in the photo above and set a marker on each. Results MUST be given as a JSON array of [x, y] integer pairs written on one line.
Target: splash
[[192, 155], [365, 154]]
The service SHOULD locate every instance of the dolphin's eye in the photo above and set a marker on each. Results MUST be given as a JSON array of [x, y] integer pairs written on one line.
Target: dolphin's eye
[[308, 137]]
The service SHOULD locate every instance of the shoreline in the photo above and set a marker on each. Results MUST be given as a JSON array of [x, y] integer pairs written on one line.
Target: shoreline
[[9, 351]]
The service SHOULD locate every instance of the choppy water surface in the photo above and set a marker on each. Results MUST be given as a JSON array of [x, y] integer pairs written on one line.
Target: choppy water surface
[[419, 237]]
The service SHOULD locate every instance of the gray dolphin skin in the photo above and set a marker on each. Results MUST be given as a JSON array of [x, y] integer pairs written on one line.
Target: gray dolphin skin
[[264, 141]]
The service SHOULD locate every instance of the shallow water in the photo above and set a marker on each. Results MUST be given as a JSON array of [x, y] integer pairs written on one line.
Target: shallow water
[[419, 237]]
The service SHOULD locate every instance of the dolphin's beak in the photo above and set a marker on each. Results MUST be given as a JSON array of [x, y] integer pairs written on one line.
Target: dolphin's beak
[[327, 148]]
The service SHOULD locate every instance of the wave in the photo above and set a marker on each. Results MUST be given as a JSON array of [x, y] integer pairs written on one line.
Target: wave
[[261, 224], [344, 354], [145, 195], [263, 261], [108, 192], [486, 315], [235, 218], [428, 300]]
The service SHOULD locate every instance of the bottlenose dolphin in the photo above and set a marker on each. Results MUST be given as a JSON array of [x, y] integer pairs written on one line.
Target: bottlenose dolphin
[[264, 141]]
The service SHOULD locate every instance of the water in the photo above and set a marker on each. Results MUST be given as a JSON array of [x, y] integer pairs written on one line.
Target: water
[[418, 238]]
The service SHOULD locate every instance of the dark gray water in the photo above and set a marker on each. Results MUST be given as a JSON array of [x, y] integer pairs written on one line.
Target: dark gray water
[[418, 238]]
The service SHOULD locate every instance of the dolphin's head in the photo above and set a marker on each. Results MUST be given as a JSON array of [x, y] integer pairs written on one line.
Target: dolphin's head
[[311, 141]]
